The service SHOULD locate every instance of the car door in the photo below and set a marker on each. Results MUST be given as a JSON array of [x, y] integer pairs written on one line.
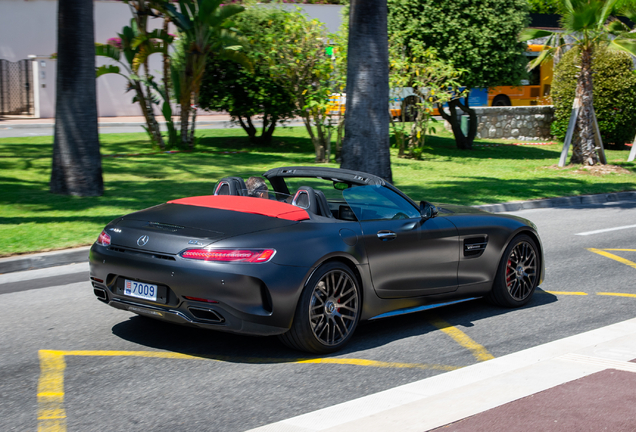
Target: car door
[[408, 255]]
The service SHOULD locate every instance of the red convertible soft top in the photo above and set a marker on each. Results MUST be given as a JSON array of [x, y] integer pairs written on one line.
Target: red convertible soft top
[[243, 204]]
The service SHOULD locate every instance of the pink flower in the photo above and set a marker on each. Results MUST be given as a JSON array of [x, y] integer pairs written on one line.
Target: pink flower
[[116, 42]]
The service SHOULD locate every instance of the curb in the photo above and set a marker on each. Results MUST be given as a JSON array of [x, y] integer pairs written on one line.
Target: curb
[[558, 202], [44, 260], [78, 255]]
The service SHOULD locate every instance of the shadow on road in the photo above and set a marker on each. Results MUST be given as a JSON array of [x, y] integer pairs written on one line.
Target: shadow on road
[[235, 348]]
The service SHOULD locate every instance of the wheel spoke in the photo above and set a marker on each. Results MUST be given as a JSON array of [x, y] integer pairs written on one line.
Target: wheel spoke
[[521, 270], [335, 293]]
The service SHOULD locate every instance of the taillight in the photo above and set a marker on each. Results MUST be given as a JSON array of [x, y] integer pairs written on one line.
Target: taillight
[[230, 255], [103, 239]]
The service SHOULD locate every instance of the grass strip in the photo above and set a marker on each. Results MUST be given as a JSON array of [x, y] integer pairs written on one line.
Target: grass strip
[[137, 176]]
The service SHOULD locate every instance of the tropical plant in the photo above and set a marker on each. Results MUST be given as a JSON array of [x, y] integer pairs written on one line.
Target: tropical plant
[[478, 36], [244, 94], [587, 25], [300, 64], [135, 47], [204, 27], [77, 164], [433, 81], [614, 94]]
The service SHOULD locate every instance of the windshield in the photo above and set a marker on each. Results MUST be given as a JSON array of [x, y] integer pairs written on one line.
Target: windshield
[[378, 203]]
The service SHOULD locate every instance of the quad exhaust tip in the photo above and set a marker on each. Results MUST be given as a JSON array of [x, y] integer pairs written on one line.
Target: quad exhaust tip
[[206, 315], [100, 294]]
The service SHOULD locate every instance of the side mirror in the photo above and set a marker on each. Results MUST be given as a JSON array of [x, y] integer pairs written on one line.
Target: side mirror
[[427, 210]]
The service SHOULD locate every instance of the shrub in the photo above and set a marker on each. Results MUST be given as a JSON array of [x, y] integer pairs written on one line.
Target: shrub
[[614, 94]]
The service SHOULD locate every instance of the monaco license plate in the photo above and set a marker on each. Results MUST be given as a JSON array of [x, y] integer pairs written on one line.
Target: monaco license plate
[[140, 290]]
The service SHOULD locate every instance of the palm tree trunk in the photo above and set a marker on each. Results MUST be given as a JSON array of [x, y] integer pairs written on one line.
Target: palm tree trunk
[[366, 142], [584, 147], [77, 163]]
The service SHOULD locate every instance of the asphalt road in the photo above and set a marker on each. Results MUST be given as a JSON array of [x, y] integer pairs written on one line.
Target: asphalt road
[[63, 353], [10, 131]]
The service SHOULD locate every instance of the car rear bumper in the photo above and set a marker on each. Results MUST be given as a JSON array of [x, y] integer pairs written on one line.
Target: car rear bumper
[[256, 299]]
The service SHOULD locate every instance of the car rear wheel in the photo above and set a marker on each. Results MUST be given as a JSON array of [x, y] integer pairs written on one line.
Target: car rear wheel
[[327, 312], [518, 273]]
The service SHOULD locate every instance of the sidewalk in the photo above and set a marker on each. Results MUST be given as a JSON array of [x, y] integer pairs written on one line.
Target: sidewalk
[[22, 121], [585, 382]]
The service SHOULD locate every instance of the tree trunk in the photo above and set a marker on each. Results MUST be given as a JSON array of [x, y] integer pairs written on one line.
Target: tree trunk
[[248, 127], [185, 116], [366, 142], [584, 147], [463, 142], [77, 163], [193, 124]]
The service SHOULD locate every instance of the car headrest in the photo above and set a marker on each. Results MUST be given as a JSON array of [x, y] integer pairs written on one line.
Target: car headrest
[[230, 186], [312, 200]]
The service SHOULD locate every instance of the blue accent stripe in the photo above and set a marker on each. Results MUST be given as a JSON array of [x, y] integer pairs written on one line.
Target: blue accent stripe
[[420, 308]]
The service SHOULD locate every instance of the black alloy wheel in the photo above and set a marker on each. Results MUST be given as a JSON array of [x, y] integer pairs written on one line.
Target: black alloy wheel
[[518, 273], [328, 311]]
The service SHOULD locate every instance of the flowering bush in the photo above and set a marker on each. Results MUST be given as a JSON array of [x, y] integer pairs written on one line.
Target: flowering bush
[[116, 42]]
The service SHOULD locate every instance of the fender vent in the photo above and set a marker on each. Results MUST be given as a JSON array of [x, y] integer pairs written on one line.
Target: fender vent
[[475, 246]]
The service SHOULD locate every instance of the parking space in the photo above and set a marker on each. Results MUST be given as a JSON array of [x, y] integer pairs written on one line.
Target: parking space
[[70, 363]]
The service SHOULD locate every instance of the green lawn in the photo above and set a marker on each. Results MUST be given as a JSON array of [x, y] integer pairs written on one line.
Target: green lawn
[[31, 219]]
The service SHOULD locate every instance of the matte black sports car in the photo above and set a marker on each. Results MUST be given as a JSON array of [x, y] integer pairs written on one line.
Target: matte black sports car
[[309, 259]]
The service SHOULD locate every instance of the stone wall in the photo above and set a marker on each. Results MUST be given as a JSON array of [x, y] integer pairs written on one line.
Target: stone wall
[[518, 123]]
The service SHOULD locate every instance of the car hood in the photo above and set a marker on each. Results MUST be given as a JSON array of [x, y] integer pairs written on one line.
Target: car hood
[[171, 228]]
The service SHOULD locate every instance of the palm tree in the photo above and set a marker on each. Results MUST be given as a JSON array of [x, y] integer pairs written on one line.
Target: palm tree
[[205, 28], [77, 164], [366, 143], [135, 47], [587, 24]]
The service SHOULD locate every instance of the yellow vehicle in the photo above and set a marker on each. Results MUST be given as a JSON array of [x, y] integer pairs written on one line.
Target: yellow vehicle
[[535, 91]]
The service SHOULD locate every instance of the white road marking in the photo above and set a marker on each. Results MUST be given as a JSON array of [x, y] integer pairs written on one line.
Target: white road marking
[[605, 230]]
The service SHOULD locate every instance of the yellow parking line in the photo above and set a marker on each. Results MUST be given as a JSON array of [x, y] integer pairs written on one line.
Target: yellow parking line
[[624, 250], [616, 294], [478, 351], [575, 293], [260, 360], [612, 256], [51, 414], [373, 363]]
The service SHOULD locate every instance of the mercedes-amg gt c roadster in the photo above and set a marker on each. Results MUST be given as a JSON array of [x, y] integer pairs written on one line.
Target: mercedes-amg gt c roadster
[[318, 251]]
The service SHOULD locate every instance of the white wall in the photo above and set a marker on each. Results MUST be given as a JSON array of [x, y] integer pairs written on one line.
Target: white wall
[[29, 27]]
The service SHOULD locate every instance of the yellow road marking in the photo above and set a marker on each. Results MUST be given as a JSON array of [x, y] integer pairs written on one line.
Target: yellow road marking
[[478, 351], [612, 256], [616, 294], [373, 363], [51, 414], [624, 250], [578, 293]]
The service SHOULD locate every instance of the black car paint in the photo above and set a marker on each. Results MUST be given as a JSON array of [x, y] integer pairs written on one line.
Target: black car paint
[[261, 298]]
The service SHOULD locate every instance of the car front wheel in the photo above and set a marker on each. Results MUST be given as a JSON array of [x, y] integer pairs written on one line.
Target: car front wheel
[[327, 312], [518, 273]]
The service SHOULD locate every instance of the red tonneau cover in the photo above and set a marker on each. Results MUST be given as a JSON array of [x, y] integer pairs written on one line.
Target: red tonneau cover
[[243, 204]]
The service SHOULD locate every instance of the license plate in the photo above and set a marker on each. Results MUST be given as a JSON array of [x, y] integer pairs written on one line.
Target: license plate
[[140, 290]]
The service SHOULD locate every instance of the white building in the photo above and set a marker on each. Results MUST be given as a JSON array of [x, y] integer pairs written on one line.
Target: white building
[[28, 29]]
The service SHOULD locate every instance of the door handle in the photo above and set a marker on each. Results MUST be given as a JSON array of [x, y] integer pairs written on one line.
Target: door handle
[[386, 235]]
